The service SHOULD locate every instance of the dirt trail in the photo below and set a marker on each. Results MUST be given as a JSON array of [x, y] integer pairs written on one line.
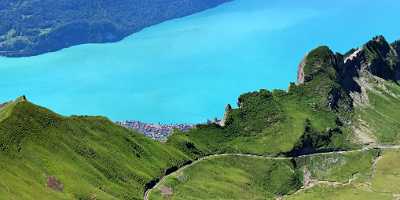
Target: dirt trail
[[311, 184]]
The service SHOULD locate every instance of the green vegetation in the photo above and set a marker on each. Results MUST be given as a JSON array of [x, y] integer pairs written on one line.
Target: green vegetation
[[387, 173], [340, 103], [339, 167], [375, 180], [54, 25], [231, 177], [241, 177], [382, 112], [340, 193], [90, 157]]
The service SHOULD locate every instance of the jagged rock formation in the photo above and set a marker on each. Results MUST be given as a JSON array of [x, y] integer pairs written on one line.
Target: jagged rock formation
[[376, 59], [370, 69], [32, 27]]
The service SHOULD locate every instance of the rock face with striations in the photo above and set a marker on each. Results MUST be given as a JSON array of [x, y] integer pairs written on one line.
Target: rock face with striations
[[31, 27]]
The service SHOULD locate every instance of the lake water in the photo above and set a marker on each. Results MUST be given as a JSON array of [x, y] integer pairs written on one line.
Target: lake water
[[187, 70]]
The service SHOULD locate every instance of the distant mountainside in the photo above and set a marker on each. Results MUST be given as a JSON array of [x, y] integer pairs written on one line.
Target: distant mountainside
[[31, 27], [342, 102]]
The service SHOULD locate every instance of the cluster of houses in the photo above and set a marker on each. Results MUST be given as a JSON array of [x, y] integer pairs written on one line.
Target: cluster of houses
[[156, 131]]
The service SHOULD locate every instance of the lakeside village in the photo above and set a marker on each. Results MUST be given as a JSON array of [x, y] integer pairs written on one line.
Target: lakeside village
[[159, 132]]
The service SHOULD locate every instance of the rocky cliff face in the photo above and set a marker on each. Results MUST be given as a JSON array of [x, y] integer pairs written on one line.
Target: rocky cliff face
[[32, 27], [377, 59]]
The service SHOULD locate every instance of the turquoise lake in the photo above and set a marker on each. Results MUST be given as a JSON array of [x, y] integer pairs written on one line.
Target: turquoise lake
[[188, 69]]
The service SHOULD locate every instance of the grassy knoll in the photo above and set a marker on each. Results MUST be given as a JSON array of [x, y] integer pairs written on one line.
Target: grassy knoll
[[231, 177]]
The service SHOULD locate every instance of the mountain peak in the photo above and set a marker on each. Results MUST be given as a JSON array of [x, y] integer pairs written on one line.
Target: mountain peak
[[319, 60], [20, 119], [21, 99], [379, 39], [378, 46]]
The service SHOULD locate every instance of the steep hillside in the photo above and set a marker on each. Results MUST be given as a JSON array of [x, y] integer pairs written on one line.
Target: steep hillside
[[32, 27], [47, 156], [378, 97]]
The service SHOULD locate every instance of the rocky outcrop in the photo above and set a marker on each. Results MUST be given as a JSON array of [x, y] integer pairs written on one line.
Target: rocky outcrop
[[368, 67], [228, 109], [319, 61], [300, 71], [33, 27], [396, 47], [379, 58]]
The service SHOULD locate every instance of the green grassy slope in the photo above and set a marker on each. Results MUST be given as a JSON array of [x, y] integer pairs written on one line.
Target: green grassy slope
[[381, 181], [386, 177], [382, 113], [350, 192], [90, 156], [231, 177], [339, 167]]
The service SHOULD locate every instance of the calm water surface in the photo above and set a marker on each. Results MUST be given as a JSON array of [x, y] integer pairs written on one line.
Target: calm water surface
[[187, 70]]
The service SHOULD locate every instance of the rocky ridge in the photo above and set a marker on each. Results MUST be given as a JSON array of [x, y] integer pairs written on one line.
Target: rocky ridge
[[375, 61]]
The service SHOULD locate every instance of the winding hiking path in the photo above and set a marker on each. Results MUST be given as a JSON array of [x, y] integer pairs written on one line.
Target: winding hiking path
[[161, 181]]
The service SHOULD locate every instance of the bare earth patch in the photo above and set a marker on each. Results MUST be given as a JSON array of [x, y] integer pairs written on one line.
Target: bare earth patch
[[363, 133], [166, 191], [54, 184]]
